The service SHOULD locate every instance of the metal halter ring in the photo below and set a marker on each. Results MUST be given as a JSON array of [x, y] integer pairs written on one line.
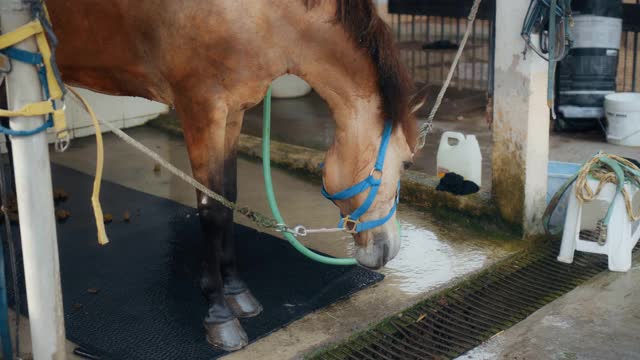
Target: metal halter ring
[[376, 171], [300, 231], [350, 225]]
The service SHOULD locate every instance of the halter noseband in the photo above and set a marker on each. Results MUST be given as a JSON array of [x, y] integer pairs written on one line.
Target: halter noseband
[[351, 223]]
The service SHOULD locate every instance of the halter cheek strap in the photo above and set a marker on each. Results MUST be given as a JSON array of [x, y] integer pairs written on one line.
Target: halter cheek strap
[[351, 223]]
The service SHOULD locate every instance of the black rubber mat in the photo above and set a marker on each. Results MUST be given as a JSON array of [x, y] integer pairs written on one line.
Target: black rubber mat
[[138, 297]]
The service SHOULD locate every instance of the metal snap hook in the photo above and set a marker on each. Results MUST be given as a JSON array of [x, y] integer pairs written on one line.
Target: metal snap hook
[[62, 143]]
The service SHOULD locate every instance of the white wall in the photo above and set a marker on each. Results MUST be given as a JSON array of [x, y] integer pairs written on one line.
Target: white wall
[[121, 111], [521, 123]]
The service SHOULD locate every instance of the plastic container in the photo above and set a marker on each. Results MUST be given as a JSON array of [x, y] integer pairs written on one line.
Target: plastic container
[[622, 233], [623, 117], [289, 86], [589, 72], [460, 154], [557, 174]]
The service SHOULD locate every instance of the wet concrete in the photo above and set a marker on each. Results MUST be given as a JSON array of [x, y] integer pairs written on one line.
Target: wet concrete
[[434, 253], [598, 320]]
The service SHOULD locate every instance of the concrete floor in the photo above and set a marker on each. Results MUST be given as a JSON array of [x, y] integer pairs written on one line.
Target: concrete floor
[[598, 320], [434, 254], [307, 121]]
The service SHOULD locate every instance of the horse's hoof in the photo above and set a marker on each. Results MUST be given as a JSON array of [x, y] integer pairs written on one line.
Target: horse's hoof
[[228, 336], [244, 304]]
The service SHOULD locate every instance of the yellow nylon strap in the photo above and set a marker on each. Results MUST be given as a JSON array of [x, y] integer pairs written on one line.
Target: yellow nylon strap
[[34, 28], [33, 109], [95, 197], [60, 124], [20, 34]]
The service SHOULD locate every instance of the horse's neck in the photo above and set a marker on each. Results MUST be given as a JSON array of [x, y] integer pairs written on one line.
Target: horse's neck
[[342, 74]]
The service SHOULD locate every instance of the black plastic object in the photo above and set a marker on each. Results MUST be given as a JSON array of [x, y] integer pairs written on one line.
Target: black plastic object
[[440, 45], [138, 297], [456, 184], [589, 72]]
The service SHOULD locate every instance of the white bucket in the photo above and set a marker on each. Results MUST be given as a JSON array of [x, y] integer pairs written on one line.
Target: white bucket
[[289, 86], [623, 116]]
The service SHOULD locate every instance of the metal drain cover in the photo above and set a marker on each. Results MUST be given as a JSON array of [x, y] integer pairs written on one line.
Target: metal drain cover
[[456, 320]]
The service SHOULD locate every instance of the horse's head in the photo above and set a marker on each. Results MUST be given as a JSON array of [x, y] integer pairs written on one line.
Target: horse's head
[[355, 66], [363, 180]]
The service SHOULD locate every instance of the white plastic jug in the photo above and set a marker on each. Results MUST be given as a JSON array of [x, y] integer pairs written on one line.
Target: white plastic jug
[[462, 156]]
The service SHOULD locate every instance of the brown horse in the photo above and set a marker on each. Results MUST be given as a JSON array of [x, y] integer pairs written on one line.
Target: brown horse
[[214, 59]]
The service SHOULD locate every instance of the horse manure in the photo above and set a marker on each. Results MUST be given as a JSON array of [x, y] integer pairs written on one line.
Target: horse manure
[[62, 215], [108, 218], [60, 195], [93, 291], [156, 168], [126, 216], [77, 306]]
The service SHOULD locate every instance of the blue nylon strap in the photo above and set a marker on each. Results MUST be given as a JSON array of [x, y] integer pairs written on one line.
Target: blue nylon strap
[[370, 180], [370, 183], [382, 152], [368, 225], [7, 131], [24, 56], [356, 189], [373, 191], [32, 58]]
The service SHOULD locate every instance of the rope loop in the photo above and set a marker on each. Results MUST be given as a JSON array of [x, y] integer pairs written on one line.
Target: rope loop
[[427, 127]]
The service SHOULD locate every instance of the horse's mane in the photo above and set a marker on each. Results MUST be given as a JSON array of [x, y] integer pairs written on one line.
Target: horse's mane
[[362, 23]]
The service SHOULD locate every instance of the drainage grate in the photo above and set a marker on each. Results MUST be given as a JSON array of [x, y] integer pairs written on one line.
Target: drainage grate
[[457, 320]]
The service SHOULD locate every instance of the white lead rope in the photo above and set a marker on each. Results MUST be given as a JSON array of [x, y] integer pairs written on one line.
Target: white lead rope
[[258, 218], [427, 127]]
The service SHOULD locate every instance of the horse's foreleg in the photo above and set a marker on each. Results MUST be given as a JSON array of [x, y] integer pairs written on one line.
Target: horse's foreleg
[[204, 122], [238, 296]]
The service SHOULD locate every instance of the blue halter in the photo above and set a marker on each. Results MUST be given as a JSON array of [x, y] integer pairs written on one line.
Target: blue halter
[[351, 223]]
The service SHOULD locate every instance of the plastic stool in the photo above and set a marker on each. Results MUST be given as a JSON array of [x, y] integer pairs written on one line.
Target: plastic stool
[[622, 233]]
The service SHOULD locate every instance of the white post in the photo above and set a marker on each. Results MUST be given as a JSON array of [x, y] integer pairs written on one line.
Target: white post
[[521, 123], [35, 201]]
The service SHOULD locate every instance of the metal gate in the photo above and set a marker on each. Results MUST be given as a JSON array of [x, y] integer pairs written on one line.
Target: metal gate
[[428, 33]]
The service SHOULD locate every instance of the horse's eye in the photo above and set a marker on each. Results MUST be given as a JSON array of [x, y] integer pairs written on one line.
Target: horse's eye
[[407, 164]]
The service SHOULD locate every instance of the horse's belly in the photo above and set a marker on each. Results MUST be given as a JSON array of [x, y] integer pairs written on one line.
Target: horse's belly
[[118, 82]]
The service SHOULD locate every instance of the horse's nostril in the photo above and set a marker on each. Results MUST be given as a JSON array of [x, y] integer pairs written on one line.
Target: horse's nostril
[[385, 254]]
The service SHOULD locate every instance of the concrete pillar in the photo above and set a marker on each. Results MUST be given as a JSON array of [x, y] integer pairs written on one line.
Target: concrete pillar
[[521, 123]]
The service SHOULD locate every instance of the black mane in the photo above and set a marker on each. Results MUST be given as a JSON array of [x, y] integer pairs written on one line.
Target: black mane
[[362, 23]]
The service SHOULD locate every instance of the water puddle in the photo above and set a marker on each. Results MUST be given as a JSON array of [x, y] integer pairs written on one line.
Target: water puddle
[[433, 254]]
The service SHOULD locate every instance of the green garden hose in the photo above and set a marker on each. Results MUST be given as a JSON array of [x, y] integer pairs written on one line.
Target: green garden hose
[[271, 197]]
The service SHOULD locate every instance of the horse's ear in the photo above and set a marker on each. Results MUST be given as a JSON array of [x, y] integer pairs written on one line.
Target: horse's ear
[[419, 99]]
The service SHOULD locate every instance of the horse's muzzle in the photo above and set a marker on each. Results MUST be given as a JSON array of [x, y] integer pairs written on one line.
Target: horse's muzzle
[[374, 248]]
